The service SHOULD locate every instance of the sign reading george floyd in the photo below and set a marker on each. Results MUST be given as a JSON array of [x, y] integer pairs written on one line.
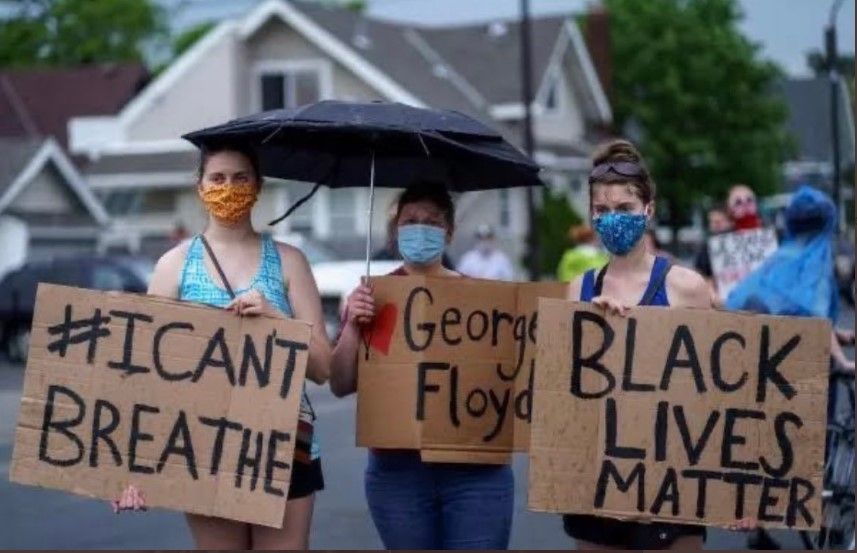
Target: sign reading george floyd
[[734, 255], [700, 417], [194, 405], [447, 367]]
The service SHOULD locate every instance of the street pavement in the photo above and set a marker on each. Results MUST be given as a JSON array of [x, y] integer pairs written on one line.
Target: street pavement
[[36, 518]]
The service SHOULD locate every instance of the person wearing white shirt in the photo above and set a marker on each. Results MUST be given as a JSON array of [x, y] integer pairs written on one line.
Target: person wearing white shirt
[[485, 259]]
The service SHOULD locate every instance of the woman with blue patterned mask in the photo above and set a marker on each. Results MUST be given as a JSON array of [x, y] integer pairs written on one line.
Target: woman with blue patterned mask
[[415, 504], [622, 200]]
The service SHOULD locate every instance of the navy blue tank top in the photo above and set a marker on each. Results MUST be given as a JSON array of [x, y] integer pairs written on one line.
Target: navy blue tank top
[[657, 278]]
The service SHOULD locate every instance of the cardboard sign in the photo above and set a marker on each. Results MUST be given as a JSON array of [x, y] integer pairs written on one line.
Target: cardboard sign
[[735, 255], [701, 417], [194, 405], [447, 367]]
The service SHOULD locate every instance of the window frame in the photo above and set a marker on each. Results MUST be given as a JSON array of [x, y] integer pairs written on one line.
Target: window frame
[[322, 67]]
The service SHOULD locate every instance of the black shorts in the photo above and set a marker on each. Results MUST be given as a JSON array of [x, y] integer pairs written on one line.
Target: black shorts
[[306, 479], [623, 534]]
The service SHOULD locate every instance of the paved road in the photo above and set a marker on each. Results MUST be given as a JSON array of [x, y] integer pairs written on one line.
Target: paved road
[[44, 519]]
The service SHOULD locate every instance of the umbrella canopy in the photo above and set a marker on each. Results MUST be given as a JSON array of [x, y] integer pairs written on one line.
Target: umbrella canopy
[[346, 144], [337, 143]]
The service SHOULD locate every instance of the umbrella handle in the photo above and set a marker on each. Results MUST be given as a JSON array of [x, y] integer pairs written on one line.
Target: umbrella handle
[[370, 212]]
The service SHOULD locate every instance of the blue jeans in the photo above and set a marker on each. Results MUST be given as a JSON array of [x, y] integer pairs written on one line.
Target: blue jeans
[[418, 505]]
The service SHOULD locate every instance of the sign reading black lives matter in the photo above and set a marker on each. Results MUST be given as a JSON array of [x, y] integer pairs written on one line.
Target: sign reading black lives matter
[[693, 416], [447, 367], [192, 404], [734, 255]]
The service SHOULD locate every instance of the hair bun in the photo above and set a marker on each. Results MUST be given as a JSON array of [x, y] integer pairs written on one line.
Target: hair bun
[[616, 150]]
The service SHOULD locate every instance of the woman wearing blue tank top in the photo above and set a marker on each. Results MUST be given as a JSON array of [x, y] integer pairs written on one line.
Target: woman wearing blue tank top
[[259, 276], [622, 203]]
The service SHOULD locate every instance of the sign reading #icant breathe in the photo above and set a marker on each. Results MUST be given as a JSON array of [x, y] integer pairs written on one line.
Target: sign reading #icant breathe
[[194, 405]]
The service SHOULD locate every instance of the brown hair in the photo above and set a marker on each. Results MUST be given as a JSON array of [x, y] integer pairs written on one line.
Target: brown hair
[[429, 191], [622, 150], [206, 152]]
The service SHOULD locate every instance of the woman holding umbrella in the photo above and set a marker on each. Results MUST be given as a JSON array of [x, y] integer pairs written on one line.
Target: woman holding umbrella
[[232, 266], [622, 201], [418, 505]]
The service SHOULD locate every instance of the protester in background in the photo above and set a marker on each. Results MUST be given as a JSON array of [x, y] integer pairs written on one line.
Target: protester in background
[[622, 203], [586, 254], [267, 278], [718, 223], [485, 259], [799, 278], [743, 210], [414, 504]]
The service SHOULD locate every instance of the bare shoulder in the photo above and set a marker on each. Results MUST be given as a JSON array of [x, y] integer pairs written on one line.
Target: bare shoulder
[[165, 277], [687, 288], [174, 257], [291, 256]]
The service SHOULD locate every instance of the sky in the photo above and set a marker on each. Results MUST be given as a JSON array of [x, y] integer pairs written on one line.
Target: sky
[[785, 29]]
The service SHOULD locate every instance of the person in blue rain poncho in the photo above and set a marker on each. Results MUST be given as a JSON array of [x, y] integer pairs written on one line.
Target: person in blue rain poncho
[[798, 279]]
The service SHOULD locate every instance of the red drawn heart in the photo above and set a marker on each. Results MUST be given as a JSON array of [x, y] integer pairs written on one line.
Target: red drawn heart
[[379, 334]]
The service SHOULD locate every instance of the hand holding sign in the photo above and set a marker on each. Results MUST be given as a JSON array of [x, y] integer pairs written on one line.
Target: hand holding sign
[[360, 306], [611, 305], [252, 302]]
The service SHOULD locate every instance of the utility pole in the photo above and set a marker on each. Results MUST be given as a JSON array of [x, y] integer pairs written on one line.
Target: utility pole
[[833, 73], [533, 258]]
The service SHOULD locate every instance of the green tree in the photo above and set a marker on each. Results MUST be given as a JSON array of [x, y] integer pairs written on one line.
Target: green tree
[[70, 32], [554, 218], [700, 98]]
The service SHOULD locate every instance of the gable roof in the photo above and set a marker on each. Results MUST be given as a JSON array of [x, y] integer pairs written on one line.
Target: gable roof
[[454, 68], [40, 102], [15, 154], [808, 102], [21, 159]]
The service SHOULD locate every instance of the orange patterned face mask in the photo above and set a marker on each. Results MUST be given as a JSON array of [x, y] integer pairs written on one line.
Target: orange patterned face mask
[[228, 202]]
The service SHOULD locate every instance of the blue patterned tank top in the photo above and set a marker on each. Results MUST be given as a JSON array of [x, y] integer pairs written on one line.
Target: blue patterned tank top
[[197, 285]]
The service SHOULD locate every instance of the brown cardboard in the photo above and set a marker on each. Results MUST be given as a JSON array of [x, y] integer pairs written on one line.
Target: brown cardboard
[[734, 255], [94, 381], [569, 435], [483, 363]]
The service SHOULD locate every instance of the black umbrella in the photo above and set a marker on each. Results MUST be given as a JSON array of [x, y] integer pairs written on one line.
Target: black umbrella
[[346, 144]]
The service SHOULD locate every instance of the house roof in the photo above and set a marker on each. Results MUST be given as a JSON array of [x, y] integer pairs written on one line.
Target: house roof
[[15, 155], [40, 102], [21, 159], [483, 57], [808, 102]]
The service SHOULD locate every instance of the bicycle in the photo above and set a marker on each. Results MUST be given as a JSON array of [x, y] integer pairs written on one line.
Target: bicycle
[[837, 525]]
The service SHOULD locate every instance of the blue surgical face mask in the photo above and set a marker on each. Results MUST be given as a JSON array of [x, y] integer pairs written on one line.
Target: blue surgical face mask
[[620, 232], [421, 244]]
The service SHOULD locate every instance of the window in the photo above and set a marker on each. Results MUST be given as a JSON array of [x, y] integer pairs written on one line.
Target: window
[[552, 96], [289, 88]]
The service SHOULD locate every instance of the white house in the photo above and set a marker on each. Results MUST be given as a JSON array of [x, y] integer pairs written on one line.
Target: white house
[[46, 208], [287, 53]]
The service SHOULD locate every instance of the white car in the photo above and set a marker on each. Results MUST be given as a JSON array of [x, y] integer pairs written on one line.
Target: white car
[[335, 277]]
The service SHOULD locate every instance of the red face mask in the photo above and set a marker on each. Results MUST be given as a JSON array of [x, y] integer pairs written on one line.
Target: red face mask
[[743, 211]]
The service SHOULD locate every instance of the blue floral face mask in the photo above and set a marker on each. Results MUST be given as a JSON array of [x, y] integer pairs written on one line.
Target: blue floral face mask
[[421, 244], [620, 232]]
